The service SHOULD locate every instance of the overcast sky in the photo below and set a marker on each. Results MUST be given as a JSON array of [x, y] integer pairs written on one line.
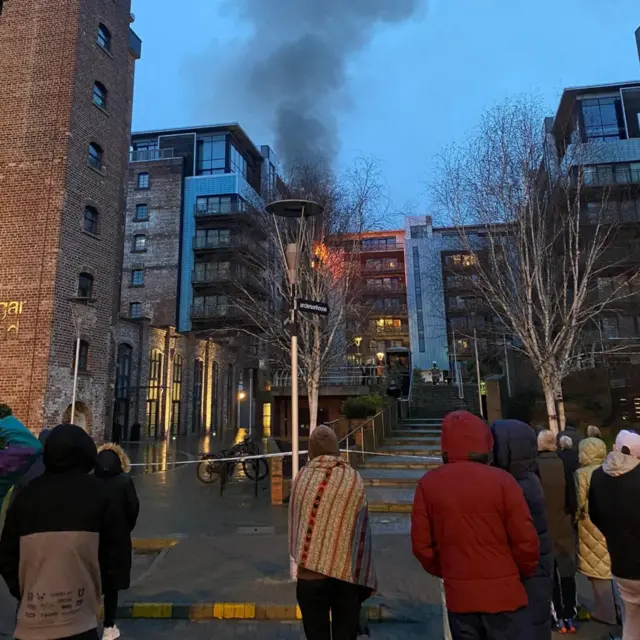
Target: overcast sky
[[413, 88]]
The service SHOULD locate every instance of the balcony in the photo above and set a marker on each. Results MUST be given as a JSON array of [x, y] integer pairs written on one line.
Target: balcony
[[608, 175], [378, 248], [388, 331], [395, 287], [384, 268], [230, 243], [391, 311], [344, 381], [208, 274], [149, 155], [220, 209]]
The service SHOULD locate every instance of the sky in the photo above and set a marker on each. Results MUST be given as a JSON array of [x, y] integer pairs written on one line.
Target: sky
[[413, 88]]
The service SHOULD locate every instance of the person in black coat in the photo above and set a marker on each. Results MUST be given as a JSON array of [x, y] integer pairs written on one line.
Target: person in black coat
[[113, 469], [515, 450]]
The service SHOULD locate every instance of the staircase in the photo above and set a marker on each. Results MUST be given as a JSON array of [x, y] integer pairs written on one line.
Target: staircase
[[391, 478]]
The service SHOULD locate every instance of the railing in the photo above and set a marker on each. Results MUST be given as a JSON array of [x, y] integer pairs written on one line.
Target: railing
[[216, 210], [209, 274], [391, 331], [398, 246], [343, 377], [237, 242], [147, 155], [400, 309], [383, 268], [609, 176], [394, 288]]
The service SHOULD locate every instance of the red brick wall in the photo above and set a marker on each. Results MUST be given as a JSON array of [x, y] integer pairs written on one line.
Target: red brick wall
[[49, 61]]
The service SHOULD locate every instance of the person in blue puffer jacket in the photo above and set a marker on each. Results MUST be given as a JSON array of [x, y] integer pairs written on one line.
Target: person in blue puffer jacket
[[19, 449], [515, 450]]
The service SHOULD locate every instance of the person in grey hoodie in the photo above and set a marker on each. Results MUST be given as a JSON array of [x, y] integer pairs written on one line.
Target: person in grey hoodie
[[614, 497]]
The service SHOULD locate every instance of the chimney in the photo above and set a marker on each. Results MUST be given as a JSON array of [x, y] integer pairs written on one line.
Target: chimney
[[429, 222]]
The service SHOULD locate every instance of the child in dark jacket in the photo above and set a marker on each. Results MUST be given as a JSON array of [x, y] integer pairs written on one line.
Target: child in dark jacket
[[113, 469]]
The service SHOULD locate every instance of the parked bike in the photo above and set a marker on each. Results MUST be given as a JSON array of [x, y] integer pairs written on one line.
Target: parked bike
[[212, 469]]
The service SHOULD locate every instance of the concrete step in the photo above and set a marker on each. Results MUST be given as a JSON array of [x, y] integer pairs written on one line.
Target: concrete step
[[408, 450], [429, 442], [432, 422], [401, 478], [400, 462], [385, 499], [413, 433]]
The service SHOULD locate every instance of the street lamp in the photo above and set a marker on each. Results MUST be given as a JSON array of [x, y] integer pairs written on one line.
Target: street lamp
[[294, 210]]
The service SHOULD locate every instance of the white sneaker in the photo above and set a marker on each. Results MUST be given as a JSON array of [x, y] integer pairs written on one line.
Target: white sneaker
[[110, 633]]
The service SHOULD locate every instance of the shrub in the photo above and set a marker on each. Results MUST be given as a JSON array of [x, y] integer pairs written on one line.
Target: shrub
[[361, 407]]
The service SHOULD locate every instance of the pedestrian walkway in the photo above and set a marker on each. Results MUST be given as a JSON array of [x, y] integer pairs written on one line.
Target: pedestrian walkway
[[392, 475]]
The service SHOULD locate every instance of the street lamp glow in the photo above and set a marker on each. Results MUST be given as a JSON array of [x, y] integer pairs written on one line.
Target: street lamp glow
[[242, 395]]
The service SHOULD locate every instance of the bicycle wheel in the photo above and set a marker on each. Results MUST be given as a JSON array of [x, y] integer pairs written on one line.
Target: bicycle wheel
[[208, 471], [255, 467]]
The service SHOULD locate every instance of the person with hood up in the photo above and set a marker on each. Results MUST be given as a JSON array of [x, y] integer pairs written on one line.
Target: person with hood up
[[568, 453], [471, 527], [614, 496], [35, 470], [113, 470], [60, 536], [20, 448], [558, 507], [594, 561], [328, 503], [516, 450]]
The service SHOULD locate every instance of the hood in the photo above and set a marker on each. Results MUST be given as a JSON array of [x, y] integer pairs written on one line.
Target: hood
[[464, 437], [592, 451], [69, 448], [13, 432], [629, 439], [617, 464], [323, 442], [43, 436], [112, 461], [515, 447]]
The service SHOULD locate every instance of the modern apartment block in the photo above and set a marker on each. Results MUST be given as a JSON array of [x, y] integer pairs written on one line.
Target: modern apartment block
[[384, 297], [66, 72], [194, 232]]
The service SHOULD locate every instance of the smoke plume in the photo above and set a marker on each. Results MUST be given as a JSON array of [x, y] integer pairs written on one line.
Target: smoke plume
[[292, 70]]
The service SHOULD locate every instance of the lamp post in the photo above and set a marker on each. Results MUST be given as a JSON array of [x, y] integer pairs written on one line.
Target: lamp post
[[294, 210]]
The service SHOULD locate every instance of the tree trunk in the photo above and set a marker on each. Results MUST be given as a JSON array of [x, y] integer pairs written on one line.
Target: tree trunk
[[562, 418], [313, 391], [550, 400]]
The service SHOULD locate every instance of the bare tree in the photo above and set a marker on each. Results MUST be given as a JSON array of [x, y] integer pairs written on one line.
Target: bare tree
[[328, 271], [543, 233]]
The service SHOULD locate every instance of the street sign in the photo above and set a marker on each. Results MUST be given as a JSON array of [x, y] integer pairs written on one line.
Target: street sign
[[310, 306]]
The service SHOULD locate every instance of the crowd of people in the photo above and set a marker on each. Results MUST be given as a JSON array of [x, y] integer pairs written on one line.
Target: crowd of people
[[513, 514], [66, 541]]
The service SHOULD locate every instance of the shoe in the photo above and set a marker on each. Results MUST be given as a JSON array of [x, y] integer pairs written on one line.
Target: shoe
[[570, 625], [110, 633], [558, 626]]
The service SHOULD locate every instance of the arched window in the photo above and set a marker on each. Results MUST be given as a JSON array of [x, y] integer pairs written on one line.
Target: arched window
[[99, 94], [123, 389], [154, 385], [83, 355], [90, 223], [104, 37], [85, 285], [95, 156], [176, 394], [198, 378]]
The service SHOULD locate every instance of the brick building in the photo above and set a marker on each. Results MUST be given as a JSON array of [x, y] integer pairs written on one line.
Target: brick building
[[193, 231], [65, 115]]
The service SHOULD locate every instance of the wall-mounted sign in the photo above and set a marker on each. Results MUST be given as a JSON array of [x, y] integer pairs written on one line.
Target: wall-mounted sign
[[10, 313]]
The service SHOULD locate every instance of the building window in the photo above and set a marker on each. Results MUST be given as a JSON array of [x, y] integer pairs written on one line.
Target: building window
[[137, 277], [266, 419], [219, 204], [83, 355], [603, 119], [90, 222], [211, 155], [99, 95], [154, 386], [143, 180], [123, 389], [176, 394], [85, 285], [95, 156], [215, 306], [198, 381], [379, 244], [238, 162], [140, 242], [212, 238], [142, 213], [104, 38], [135, 310]]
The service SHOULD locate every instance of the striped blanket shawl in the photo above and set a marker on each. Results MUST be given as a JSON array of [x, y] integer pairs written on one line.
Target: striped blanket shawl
[[329, 522]]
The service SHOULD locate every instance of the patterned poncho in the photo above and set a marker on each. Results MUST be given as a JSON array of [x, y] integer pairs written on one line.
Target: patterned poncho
[[329, 522]]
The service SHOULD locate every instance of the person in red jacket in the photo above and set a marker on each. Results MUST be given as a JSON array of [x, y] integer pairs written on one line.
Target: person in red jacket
[[471, 527]]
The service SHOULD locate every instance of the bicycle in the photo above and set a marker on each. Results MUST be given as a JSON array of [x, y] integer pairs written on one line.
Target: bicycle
[[211, 470]]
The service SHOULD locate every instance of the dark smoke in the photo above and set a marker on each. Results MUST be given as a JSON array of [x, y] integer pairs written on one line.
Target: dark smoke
[[298, 57]]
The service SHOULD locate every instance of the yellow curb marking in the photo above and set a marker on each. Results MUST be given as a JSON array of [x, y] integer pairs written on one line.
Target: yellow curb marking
[[151, 610]]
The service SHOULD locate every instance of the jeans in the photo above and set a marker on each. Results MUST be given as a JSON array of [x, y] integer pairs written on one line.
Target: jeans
[[630, 593], [110, 608], [317, 598], [509, 625], [564, 596]]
